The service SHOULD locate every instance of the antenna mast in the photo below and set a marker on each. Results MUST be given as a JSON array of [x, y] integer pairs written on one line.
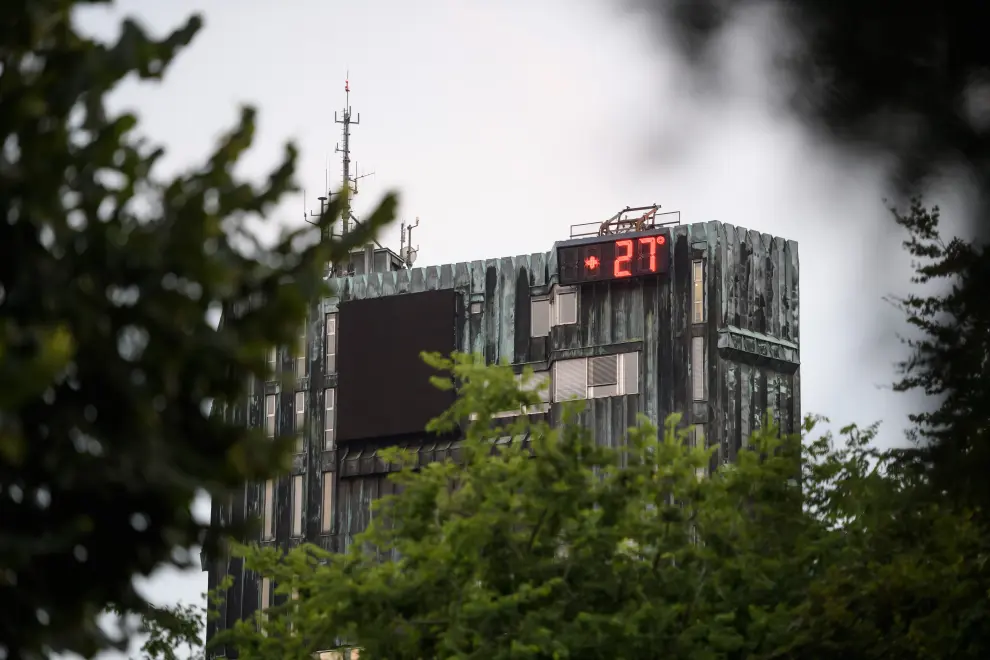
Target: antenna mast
[[346, 119]]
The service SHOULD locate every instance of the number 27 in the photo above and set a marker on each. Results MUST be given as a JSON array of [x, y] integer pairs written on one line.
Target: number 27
[[622, 260]]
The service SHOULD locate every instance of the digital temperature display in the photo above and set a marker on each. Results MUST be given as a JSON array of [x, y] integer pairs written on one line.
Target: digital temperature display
[[622, 257]]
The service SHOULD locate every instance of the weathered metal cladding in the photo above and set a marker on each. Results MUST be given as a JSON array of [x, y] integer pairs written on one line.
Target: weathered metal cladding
[[751, 332], [496, 303], [750, 328], [754, 309]]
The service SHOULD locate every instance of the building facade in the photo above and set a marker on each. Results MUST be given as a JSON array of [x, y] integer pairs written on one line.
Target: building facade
[[704, 320]]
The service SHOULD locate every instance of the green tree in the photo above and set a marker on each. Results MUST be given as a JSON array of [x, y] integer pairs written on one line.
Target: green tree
[[558, 548], [173, 632], [108, 363], [949, 354]]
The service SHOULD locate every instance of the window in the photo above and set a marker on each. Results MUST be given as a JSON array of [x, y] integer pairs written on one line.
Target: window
[[268, 512], [697, 291], [326, 513], [302, 366], [570, 379], [596, 377], [328, 418], [331, 343], [629, 372], [698, 368], [603, 376], [297, 505], [540, 318], [697, 439], [300, 414], [270, 415], [539, 383], [272, 360], [476, 307], [566, 307], [266, 593]]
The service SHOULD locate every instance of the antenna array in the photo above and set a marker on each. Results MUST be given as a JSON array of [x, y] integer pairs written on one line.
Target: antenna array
[[349, 182]]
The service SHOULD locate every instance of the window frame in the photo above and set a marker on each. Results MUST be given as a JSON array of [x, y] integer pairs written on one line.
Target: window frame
[[623, 386], [298, 500], [302, 364], [330, 342], [326, 501], [273, 361], [699, 384], [329, 418], [299, 417], [540, 308], [561, 294], [265, 593], [271, 412], [268, 510], [698, 291]]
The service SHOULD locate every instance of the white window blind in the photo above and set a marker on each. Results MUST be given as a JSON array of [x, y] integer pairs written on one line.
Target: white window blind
[[698, 368], [539, 382], [566, 308], [540, 318], [697, 291], [596, 377], [697, 439], [299, 413], [302, 366], [570, 379], [329, 401], [629, 373], [326, 514], [297, 504], [268, 512], [300, 417], [272, 359], [266, 593], [331, 343], [270, 415]]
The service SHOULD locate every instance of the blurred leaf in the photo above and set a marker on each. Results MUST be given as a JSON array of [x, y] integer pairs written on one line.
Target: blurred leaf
[[108, 359]]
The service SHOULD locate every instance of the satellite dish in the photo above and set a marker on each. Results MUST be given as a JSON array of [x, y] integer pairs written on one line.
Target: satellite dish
[[409, 255]]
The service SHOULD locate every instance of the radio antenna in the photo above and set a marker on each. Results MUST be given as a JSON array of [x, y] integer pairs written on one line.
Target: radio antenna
[[406, 251], [346, 119]]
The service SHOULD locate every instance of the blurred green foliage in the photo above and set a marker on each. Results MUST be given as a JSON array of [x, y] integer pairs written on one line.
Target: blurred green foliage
[[905, 83], [560, 548], [948, 314], [109, 361]]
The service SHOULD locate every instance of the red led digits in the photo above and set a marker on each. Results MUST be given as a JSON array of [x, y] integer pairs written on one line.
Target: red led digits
[[648, 257], [621, 265], [613, 259]]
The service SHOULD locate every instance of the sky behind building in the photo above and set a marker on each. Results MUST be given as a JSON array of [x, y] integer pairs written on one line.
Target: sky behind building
[[503, 123]]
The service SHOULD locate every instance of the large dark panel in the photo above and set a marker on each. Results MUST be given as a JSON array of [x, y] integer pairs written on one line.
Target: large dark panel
[[383, 384]]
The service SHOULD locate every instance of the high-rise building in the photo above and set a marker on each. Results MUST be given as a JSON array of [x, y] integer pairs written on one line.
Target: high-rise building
[[637, 317]]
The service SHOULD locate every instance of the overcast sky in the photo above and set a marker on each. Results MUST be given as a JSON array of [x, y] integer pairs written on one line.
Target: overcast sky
[[502, 123]]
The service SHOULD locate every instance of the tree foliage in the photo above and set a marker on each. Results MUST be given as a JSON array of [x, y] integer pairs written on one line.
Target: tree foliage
[[169, 633], [907, 81], [108, 362], [542, 544], [949, 353]]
